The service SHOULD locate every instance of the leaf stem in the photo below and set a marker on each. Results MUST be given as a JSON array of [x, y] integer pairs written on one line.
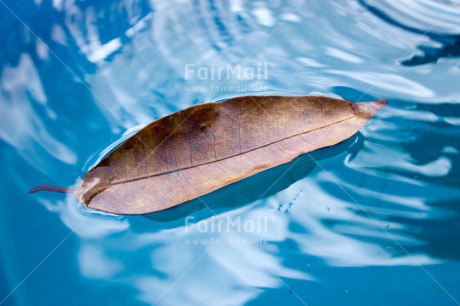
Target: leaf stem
[[51, 188]]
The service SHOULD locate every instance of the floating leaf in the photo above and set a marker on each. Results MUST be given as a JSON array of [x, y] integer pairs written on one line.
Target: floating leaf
[[200, 149]]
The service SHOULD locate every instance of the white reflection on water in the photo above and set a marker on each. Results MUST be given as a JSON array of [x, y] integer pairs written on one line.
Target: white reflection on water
[[263, 15], [21, 96], [153, 261], [402, 162], [389, 82], [423, 14]]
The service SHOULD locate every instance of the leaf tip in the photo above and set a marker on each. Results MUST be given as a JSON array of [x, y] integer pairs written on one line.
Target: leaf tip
[[381, 102], [368, 109]]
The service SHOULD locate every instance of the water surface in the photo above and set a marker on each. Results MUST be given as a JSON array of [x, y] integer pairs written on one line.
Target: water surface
[[374, 220]]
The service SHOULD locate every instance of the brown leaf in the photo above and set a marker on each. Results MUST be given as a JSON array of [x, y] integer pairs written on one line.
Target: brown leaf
[[198, 150]]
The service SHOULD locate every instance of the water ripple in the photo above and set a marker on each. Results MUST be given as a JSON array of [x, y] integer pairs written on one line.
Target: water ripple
[[382, 203]]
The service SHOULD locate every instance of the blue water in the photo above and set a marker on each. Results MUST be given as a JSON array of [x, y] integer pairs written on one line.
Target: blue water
[[372, 221]]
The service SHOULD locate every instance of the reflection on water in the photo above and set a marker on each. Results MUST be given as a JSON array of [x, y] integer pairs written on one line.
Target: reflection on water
[[83, 76], [434, 19]]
